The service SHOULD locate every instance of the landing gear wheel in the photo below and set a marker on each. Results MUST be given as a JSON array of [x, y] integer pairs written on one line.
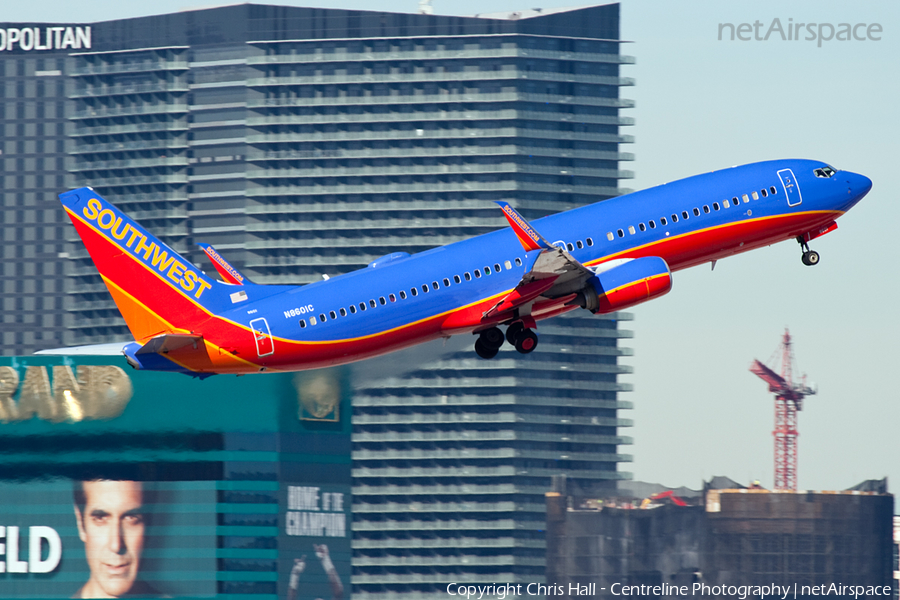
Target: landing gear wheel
[[526, 341], [485, 352], [810, 258], [491, 338], [513, 331]]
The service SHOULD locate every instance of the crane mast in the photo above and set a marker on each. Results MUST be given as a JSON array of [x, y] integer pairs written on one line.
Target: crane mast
[[788, 402]]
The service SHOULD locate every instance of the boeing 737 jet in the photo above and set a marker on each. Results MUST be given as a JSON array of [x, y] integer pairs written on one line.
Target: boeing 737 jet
[[603, 257]]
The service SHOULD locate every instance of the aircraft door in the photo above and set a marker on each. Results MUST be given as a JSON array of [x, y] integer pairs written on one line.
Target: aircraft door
[[263, 337], [791, 189]]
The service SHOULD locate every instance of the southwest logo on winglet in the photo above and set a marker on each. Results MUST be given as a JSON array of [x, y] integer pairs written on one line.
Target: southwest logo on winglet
[[528, 237], [149, 252]]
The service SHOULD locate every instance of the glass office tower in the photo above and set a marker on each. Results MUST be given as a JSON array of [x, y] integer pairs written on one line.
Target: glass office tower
[[308, 142]]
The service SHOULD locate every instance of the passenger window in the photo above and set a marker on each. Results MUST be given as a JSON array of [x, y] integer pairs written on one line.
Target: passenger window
[[735, 201], [642, 227], [381, 300], [477, 274], [590, 241], [518, 262], [715, 206], [497, 267], [755, 195], [746, 198], [570, 247], [302, 324], [773, 190], [631, 229], [764, 192], [620, 232], [321, 317], [343, 312], [425, 288], [435, 285], [467, 277], [684, 214], [446, 282], [652, 224], [362, 306], [332, 314], [414, 291], [579, 245], [456, 279], [487, 270], [697, 212], [663, 222], [674, 218], [352, 309], [706, 208], [725, 203], [402, 295], [312, 320], [610, 236], [392, 297], [508, 265], [372, 303]]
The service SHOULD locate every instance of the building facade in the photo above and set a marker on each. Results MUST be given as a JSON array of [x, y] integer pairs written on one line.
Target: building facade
[[239, 480], [308, 142]]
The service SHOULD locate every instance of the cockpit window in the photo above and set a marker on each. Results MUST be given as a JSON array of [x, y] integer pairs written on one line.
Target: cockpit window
[[825, 172]]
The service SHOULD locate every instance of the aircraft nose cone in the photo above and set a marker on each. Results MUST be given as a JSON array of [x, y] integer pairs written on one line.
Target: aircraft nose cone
[[858, 185]]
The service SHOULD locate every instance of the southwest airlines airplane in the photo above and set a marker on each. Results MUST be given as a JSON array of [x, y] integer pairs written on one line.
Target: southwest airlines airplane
[[603, 257]]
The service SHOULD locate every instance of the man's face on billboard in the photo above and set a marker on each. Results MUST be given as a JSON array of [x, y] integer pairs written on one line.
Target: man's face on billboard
[[112, 529]]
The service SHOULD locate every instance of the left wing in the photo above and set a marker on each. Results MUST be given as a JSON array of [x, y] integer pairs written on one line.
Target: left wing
[[554, 274]]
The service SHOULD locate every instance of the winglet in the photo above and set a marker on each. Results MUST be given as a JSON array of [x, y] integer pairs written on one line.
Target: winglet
[[528, 236], [228, 273]]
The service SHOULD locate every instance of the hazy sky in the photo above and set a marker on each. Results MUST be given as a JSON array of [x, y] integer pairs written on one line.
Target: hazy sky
[[704, 104]]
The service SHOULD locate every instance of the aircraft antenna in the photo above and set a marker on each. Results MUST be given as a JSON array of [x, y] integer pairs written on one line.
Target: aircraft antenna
[[788, 402]]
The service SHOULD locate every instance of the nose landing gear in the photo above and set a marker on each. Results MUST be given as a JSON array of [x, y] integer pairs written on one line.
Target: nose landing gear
[[809, 257], [490, 340]]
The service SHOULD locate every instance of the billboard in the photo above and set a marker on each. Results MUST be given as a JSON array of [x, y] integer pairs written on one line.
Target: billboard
[[122, 483]]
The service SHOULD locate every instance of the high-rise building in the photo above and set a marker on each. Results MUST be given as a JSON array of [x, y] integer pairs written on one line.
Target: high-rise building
[[308, 142]]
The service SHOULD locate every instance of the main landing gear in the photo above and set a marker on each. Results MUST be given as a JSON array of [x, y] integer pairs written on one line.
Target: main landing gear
[[490, 340], [810, 257]]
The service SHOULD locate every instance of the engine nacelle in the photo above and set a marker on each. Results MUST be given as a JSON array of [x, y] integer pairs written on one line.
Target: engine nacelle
[[625, 285]]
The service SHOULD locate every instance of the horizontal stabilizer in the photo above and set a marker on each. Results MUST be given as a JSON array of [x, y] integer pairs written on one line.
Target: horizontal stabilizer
[[228, 273], [163, 344]]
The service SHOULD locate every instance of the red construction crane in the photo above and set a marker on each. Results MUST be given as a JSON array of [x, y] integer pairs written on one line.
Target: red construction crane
[[788, 401]]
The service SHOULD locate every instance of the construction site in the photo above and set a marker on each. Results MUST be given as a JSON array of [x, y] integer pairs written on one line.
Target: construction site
[[662, 541]]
